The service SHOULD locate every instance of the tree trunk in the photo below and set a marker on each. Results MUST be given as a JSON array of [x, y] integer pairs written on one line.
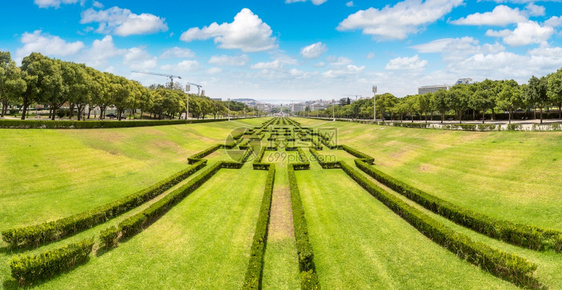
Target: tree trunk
[[560, 111], [71, 114], [493, 115], [541, 115], [510, 114], [442, 116], [25, 105], [483, 117]]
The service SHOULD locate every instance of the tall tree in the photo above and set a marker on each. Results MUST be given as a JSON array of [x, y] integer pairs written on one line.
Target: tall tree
[[555, 90], [537, 93], [457, 99], [510, 98], [439, 103], [12, 84]]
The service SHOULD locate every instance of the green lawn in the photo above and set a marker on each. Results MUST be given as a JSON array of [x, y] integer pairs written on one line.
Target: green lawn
[[508, 175], [203, 242], [359, 243]]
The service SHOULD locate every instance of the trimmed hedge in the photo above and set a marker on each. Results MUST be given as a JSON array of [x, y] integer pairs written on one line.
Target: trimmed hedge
[[527, 236], [67, 124], [308, 275], [255, 266], [199, 155], [320, 159], [503, 265], [27, 269], [364, 157], [39, 234], [108, 237]]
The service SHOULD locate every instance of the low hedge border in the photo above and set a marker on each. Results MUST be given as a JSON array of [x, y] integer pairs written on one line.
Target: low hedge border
[[200, 155], [253, 278], [527, 236], [501, 264], [39, 234], [64, 124], [320, 159], [308, 275], [27, 269], [362, 156]]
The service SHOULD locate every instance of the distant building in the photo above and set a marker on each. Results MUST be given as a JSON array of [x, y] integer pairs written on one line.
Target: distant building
[[432, 89], [216, 99], [464, 81]]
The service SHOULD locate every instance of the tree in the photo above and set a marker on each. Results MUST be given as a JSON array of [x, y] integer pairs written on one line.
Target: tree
[[457, 99], [385, 103], [537, 93], [483, 98], [510, 98], [424, 104], [439, 103], [554, 83], [12, 85]]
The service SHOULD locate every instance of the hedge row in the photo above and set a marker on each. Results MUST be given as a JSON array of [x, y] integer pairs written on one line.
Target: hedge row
[[198, 156], [304, 164], [364, 157], [258, 164], [35, 235], [527, 236], [504, 265], [27, 269], [255, 267], [49, 124], [320, 159], [134, 224], [308, 275]]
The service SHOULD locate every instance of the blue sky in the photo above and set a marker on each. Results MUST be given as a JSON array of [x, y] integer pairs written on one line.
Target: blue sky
[[291, 50]]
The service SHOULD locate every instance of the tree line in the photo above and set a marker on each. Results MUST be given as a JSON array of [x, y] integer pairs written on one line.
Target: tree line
[[55, 83], [468, 101]]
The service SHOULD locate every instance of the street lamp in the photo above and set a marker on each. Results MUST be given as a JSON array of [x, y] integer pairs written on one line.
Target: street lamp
[[187, 89], [375, 104]]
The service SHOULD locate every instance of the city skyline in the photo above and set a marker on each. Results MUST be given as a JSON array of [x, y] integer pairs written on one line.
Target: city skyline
[[296, 50]]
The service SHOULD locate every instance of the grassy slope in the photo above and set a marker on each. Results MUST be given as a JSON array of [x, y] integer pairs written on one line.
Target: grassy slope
[[379, 250], [204, 242], [508, 175]]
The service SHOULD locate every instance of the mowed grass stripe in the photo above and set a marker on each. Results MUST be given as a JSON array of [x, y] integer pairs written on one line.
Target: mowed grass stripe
[[203, 242], [359, 243]]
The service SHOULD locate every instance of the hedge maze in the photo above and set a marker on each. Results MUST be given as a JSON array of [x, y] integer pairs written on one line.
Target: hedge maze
[[298, 146]]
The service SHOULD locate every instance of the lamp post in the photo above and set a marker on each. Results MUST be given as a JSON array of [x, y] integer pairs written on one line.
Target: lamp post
[[333, 110], [229, 109], [375, 104], [187, 89]]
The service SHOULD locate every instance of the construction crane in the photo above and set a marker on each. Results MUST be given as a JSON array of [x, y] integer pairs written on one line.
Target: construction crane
[[162, 75], [198, 87]]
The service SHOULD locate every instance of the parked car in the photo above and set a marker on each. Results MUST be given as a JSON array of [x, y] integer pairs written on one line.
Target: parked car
[[111, 115]]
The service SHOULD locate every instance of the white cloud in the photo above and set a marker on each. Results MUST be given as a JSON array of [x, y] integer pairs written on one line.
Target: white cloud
[[183, 66], [349, 4], [273, 65], [123, 22], [138, 59], [100, 52], [457, 49], [178, 52], [500, 16], [214, 70], [370, 55], [97, 4], [554, 21], [315, 2], [320, 64], [396, 22], [526, 33], [535, 10], [47, 44], [340, 61], [314, 50], [53, 3], [240, 60], [247, 32], [346, 70], [406, 63]]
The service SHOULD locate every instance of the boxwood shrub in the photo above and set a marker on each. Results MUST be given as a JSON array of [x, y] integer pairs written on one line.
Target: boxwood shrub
[[255, 266], [68, 124], [200, 155], [27, 269], [39, 234], [364, 157]]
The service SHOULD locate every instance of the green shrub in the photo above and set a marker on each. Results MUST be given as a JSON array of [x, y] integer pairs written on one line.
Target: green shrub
[[132, 225], [200, 155], [504, 265], [48, 124], [514, 127], [27, 269], [305, 253], [531, 237], [39, 234], [487, 127], [257, 253], [364, 157], [108, 237]]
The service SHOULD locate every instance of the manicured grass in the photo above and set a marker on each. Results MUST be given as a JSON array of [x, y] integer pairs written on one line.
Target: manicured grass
[[508, 175], [359, 243], [203, 242]]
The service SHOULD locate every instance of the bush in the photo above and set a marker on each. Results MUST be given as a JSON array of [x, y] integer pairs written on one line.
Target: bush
[[531, 237], [39, 234], [487, 127], [514, 127], [31, 268], [364, 157], [48, 124], [257, 253], [321, 160], [305, 253], [132, 225], [200, 155], [504, 265], [108, 237]]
